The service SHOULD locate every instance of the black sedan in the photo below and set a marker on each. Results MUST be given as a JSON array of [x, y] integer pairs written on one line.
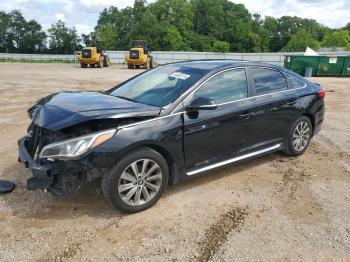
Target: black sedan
[[168, 124]]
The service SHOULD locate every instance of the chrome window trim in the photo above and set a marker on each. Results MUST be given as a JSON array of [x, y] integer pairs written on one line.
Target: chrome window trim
[[232, 160], [217, 73], [251, 97], [272, 69], [305, 84], [246, 98]]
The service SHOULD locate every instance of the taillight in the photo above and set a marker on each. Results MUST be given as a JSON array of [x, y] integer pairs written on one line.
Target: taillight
[[322, 93]]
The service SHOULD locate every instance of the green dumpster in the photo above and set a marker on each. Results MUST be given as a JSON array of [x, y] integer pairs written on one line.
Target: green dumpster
[[321, 65], [330, 66]]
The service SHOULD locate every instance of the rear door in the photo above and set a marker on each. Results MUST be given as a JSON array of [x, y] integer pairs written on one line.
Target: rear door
[[274, 112], [214, 135]]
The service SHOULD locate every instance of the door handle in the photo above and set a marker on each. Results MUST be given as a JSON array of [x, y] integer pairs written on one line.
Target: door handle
[[247, 115]]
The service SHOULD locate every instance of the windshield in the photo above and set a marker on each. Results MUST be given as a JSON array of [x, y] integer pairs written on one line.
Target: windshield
[[160, 86]]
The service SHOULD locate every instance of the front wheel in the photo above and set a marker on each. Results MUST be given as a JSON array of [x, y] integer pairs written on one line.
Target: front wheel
[[106, 61], [100, 62], [137, 181], [151, 62], [146, 65], [299, 137]]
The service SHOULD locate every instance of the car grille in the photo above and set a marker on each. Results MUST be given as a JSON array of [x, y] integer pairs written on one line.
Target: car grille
[[134, 54], [86, 53]]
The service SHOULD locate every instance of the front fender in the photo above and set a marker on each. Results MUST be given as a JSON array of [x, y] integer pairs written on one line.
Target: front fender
[[163, 133]]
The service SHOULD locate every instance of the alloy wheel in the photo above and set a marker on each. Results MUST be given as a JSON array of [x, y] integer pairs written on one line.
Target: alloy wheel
[[140, 182], [301, 136]]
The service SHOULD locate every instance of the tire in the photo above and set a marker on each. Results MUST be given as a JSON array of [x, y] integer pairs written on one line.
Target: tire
[[151, 65], [130, 66], [82, 65], [137, 66], [145, 65], [92, 65], [296, 142], [120, 184], [106, 61], [100, 62]]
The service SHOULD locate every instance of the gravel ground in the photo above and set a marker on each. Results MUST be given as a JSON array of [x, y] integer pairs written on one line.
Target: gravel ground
[[270, 209]]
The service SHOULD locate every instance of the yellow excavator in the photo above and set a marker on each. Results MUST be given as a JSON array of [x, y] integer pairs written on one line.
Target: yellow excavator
[[93, 55], [139, 55]]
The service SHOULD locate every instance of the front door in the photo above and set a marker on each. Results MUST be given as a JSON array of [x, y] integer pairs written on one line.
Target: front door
[[211, 136]]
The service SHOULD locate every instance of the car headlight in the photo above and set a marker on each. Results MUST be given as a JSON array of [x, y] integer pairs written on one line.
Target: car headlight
[[75, 147]]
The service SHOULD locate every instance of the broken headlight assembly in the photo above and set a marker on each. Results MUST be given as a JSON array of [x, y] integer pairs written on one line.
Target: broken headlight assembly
[[75, 147]]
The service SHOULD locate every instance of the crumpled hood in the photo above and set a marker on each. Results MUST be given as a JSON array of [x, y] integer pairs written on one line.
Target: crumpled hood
[[64, 109]]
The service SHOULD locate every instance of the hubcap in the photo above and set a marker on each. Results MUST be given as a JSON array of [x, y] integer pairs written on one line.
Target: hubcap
[[140, 182], [301, 136]]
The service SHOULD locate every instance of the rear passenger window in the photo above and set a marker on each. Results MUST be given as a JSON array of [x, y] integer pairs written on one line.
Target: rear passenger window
[[225, 87], [268, 81], [293, 82]]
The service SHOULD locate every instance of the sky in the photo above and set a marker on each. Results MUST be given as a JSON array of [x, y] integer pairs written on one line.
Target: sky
[[83, 14]]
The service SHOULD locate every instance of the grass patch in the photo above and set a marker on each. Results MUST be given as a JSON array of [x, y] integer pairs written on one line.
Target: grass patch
[[23, 60]]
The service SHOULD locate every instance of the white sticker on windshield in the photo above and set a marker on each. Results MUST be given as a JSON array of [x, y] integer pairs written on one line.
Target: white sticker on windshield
[[180, 75]]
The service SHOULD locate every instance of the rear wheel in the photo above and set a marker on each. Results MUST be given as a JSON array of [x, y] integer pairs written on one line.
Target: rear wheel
[[137, 181], [92, 65], [130, 66], [299, 137], [83, 65], [137, 66]]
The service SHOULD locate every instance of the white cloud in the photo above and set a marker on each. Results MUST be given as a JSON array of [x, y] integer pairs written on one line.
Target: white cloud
[[333, 14], [68, 8], [60, 16], [93, 5], [84, 29]]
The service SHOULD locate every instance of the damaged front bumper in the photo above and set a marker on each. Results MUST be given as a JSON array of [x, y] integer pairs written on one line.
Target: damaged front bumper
[[43, 174], [53, 177]]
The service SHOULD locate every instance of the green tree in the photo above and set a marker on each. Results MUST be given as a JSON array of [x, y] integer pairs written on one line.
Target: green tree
[[62, 39], [300, 41], [281, 30], [17, 29], [221, 46], [34, 39], [5, 39], [340, 38], [229, 22], [107, 34], [19, 35]]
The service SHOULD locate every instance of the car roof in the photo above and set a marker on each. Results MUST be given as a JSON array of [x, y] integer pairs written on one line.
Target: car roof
[[220, 64]]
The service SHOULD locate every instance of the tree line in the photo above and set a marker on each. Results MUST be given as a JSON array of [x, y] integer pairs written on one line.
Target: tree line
[[175, 25]]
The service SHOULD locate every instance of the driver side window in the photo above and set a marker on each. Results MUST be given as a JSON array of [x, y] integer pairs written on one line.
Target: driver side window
[[225, 87]]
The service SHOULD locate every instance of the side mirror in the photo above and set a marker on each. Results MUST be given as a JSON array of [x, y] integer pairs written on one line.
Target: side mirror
[[201, 103]]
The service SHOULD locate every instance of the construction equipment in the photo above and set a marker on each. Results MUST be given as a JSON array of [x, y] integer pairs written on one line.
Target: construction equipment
[[139, 55], [93, 55]]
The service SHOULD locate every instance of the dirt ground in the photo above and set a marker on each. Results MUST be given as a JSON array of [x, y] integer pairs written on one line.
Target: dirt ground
[[270, 209]]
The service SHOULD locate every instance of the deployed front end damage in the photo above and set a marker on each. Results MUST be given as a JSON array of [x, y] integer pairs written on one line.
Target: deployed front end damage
[[61, 147], [61, 166]]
